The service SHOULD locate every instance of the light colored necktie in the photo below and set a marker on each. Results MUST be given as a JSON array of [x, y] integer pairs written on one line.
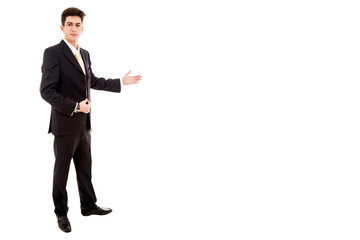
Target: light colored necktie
[[79, 59]]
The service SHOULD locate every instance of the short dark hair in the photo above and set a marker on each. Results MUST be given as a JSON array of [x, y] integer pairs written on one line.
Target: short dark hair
[[72, 12]]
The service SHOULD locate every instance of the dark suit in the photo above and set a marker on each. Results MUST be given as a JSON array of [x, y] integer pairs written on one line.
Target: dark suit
[[63, 84]]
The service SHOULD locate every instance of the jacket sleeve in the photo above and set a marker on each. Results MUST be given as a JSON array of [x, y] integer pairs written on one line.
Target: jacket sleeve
[[111, 85], [49, 84]]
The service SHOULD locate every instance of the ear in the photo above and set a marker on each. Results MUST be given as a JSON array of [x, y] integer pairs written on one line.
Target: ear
[[62, 28]]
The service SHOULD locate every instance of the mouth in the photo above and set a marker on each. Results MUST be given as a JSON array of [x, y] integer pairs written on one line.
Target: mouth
[[73, 35]]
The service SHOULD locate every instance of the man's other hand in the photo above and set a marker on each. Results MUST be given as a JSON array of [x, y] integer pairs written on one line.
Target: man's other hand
[[85, 106]]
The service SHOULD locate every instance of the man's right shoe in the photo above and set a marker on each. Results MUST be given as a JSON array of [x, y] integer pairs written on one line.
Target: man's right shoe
[[64, 224]]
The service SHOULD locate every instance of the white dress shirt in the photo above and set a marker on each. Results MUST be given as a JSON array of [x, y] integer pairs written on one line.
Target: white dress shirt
[[72, 48]]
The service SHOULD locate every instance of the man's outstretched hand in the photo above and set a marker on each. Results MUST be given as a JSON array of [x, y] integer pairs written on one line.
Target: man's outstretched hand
[[127, 80]]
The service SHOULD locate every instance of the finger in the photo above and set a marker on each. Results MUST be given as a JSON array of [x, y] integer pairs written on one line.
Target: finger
[[129, 72]]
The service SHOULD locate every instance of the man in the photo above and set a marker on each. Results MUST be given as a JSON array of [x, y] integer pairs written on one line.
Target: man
[[66, 81]]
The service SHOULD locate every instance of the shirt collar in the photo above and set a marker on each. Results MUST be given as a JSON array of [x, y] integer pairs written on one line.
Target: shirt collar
[[72, 48]]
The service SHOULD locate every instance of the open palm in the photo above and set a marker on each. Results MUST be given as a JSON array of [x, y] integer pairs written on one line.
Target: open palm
[[127, 79]]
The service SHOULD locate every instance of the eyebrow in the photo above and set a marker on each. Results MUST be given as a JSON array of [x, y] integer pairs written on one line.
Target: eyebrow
[[72, 23]]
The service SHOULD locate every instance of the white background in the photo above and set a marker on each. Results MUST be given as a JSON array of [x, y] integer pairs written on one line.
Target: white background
[[245, 125]]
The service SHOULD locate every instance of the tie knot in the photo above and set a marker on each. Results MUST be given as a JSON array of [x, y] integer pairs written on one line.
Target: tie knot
[[77, 55]]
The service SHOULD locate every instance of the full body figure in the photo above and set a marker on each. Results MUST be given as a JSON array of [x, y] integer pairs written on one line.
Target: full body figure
[[66, 81]]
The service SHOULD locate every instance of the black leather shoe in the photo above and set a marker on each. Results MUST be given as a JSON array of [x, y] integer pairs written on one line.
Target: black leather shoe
[[64, 224], [96, 211]]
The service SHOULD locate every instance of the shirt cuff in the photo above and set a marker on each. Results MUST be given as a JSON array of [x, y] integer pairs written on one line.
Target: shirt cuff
[[75, 109]]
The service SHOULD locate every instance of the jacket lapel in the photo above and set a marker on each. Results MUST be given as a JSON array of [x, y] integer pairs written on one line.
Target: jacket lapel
[[70, 56], [85, 60]]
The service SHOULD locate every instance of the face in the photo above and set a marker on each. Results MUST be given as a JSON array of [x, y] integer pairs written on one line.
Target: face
[[72, 29]]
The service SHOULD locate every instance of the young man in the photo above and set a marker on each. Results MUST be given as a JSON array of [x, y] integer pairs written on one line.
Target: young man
[[66, 81]]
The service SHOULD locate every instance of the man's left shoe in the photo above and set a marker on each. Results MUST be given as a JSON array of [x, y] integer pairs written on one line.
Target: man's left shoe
[[96, 211]]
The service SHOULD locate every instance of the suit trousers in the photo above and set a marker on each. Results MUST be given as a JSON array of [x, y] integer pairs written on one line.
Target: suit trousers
[[77, 147]]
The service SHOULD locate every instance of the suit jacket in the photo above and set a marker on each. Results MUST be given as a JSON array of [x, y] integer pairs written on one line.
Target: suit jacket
[[63, 84]]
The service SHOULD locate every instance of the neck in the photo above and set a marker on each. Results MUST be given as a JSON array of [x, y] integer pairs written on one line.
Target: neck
[[74, 44]]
